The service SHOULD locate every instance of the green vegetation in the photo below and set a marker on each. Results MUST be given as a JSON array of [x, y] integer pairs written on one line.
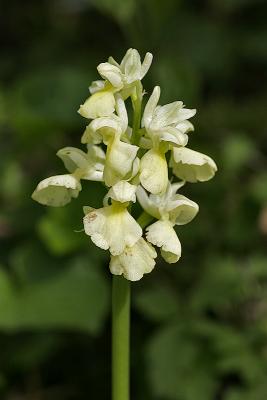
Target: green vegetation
[[199, 328]]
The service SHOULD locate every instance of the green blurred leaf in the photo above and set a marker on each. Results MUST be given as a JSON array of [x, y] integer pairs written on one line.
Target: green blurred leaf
[[158, 303], [238, 150], [178, 367], [76, 299], [56, 229]]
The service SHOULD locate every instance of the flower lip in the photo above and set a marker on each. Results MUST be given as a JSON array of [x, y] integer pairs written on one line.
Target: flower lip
[[135, 261]]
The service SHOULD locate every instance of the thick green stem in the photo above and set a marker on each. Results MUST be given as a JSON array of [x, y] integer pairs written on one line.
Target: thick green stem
[[120, 338]]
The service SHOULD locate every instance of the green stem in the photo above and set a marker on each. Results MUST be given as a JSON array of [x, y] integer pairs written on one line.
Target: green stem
[[137, 107], [121, 290]]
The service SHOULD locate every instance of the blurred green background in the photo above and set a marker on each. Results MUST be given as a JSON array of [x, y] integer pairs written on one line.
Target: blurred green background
[[199, 328]]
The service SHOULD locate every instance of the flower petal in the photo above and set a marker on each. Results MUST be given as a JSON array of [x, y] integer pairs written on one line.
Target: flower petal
[[135, 261], [96, 86], [73, 158], [119, 161], [132, 66], [57, 190], [151, 106], [172, 135], [122, 192], [154, 171], [146, 203], [112, 73], [112, 228], [181, 210], [146, 64], [102, 129], [192, 166], [162, 235], [166, 115], [122, 112], [100, 104]]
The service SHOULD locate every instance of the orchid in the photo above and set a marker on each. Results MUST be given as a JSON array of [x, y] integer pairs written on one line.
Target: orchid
[[165, 127], [137, 161], [170, 209], [132, 159], [117, 78]]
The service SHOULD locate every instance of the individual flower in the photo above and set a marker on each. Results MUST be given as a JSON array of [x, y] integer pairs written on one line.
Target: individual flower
[[90, 165], [134, 261], [192, 166], [120, 156], [165, 127], [112, 227], [57, 190], [123, 75], [118, 77], [170, 209]]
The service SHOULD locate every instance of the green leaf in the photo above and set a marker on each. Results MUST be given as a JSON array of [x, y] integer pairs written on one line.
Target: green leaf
[[76, 298], [178, 367]]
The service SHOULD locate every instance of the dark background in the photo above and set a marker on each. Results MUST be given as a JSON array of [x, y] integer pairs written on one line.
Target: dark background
[[199, 328]]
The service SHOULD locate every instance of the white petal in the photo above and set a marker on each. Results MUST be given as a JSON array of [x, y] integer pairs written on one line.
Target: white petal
[[96, 154], [113, 62], [162, 235], [122, 192], [132, 66], [185, 126], [96, 86], [146, 64], [119, 161], [73, 158], [57, 190], [112, 228], [146, 203], [186, 113], [135, 261], [102, 130], [181, 210], [150, 106], [100, 104], [135, 170], [112, 73], [166, 115], [172, 135], [192, 166], [122, 112], [154, 171]]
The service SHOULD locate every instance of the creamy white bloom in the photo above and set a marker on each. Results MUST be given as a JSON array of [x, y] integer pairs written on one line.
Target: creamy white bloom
[[162, 235], [191, 165], [166, 123], [170, 206], [128, 71], [112, 227], [120, 156], [170, 209], [134, 261], [88, 165], [117, 77], [57, 190], [165, 127]]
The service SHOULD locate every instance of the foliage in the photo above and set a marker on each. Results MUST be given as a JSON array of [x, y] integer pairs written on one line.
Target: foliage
[[199, 327]]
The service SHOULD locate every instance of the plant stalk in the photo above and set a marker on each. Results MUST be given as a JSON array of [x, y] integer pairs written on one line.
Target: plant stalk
[[120, 338]]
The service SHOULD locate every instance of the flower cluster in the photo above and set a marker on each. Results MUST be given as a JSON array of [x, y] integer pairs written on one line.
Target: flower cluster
[[133, 162]]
